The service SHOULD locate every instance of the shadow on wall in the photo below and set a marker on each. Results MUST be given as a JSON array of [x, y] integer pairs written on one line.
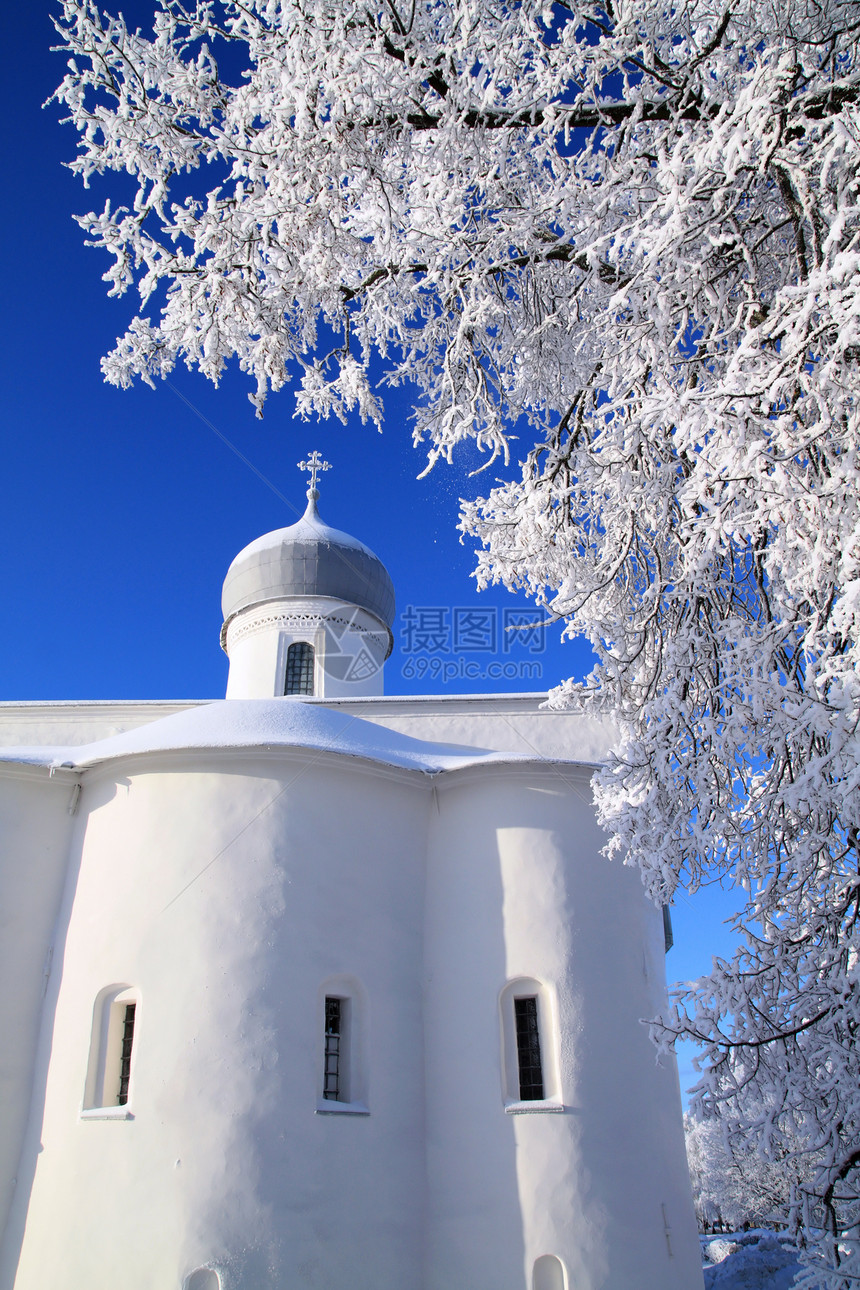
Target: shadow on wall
[[13, 1236]]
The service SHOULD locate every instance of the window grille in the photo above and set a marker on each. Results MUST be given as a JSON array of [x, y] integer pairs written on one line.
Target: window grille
[[528, 1049], [333, 1037], [300, 669], [125, 1059]]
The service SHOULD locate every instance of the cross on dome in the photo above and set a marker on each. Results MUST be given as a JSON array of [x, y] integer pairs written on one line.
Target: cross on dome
[[315, 465]]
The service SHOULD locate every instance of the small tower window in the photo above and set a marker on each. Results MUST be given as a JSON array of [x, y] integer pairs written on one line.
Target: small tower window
[[300, 669], [528, 1049], [334, 1036]]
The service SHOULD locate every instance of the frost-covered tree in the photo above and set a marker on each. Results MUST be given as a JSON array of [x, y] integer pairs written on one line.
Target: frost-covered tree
[[737, 1182], [630, 232]]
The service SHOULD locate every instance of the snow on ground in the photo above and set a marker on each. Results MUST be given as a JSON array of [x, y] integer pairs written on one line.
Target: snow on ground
[[755, 1260]]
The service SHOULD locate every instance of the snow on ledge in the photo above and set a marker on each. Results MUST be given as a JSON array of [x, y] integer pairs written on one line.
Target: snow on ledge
[[268, 724], [541, 1107]]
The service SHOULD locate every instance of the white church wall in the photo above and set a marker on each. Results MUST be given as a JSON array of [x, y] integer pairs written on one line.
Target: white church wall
[[506, 723], [292, 955], [514, 723], [75, 722], [516, 880], [227, 892], [254, 658], [35, 826], [227, 900]]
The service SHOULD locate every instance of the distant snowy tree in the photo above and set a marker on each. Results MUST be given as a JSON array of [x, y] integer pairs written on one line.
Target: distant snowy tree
[[737, 1183], [629, 231]]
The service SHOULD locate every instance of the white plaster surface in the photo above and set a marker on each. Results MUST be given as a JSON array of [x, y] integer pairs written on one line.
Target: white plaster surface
[[350, 647], [34, 836], [224, 1159], [518, 723], [514, 723], [515, 880], [76, 722], [398, 738], [226, 862]]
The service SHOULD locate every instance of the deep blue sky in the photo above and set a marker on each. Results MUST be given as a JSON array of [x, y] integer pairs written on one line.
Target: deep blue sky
[[122, 510]]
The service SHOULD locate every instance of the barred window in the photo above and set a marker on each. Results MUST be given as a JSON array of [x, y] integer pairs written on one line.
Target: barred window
[[112, 1039], [528, 1049], [341, 1082], [531, 1074], [300, 669], [125, 1054], [332, 1070]]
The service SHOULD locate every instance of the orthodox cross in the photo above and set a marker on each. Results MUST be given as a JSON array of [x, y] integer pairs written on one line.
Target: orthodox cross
[[315, 465]]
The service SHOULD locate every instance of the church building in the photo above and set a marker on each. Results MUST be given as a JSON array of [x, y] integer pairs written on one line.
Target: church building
[[311, 988]]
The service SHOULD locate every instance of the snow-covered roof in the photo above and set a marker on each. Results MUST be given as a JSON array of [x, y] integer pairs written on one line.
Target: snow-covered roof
[[268, 724], [309, 559]]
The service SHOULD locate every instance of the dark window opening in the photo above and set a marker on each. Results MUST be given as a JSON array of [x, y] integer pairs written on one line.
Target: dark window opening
[[528, 1050], [333, 1038], [300, 669], [125, 1058]]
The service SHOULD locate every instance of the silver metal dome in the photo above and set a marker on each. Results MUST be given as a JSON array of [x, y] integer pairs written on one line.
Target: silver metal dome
[[309, 559]]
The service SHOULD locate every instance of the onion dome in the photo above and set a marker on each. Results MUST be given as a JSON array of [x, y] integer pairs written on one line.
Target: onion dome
[[309, 559]]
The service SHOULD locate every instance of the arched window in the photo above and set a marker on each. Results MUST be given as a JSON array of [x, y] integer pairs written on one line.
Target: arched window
[[530, 1079], [300, 669], [203, 1279], [549, 1274], [111, 1048]]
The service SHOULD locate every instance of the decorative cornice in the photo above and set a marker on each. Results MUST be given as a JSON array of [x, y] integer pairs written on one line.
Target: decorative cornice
[[238, 629], [251, 624]]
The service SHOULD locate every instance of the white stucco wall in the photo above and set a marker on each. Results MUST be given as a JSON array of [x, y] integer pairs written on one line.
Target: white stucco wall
[[350, 647], [511, 723], [35, 827], [224, 1158], [516, 888], [77, 722], [521, 724], [227, 888]]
